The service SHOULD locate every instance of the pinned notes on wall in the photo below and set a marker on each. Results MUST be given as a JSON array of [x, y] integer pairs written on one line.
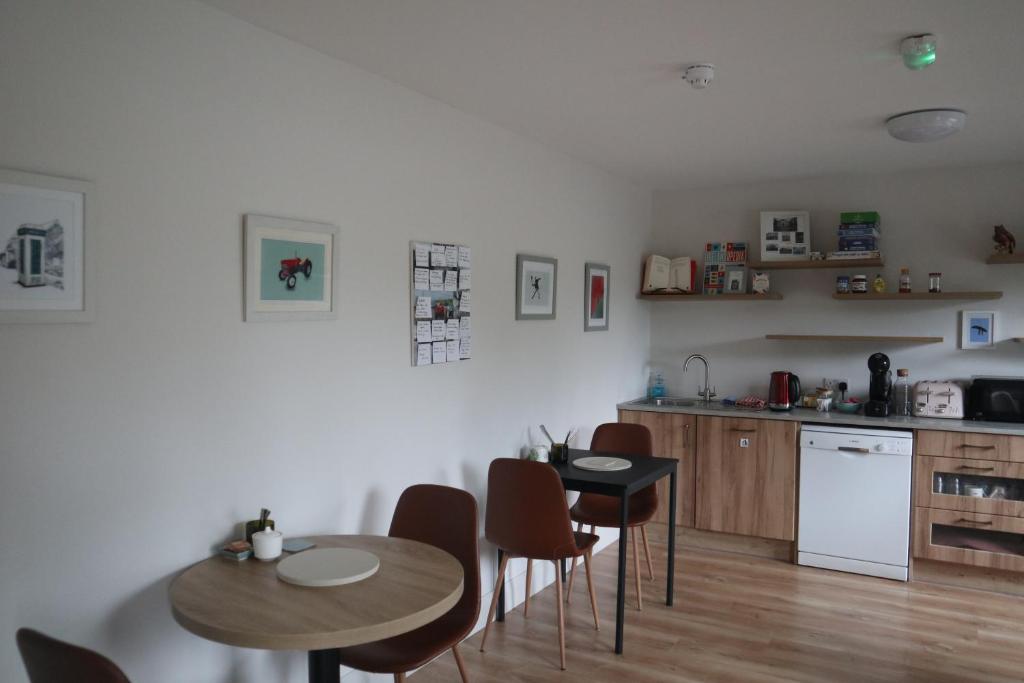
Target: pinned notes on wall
[[441, 280]]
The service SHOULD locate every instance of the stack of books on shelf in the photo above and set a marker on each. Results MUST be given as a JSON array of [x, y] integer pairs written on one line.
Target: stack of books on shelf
[[859, 236], [725, 268]]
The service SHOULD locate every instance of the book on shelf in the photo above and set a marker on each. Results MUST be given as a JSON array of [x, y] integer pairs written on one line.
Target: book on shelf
[[667, 276], [852, 255], [860, 217]]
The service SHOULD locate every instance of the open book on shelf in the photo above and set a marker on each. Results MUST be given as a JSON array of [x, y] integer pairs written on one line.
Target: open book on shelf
[[669, 276]]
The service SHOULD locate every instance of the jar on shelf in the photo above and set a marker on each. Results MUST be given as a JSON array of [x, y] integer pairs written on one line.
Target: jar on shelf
[[859, 284], [905, 281], [934, 283], [843, 284]]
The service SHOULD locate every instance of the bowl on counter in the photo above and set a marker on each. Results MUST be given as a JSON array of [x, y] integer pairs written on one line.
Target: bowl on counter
[[849, 407]]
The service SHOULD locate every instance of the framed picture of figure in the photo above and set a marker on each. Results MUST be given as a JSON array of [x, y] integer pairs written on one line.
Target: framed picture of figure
[[536, 287]]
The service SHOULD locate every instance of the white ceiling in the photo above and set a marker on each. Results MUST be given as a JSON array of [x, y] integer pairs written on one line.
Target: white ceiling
[[802, 86]]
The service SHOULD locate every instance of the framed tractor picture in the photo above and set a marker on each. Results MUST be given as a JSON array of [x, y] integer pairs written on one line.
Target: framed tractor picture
[[289, 269]]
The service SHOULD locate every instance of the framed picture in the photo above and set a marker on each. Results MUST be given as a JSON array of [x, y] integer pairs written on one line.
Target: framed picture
[[536, 287], [45, 249], [736, 280], [977, 329], [596, 280], [785, 235], [289, 269]]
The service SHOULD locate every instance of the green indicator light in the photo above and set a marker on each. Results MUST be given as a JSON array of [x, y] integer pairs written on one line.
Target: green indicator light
[[918, 51]]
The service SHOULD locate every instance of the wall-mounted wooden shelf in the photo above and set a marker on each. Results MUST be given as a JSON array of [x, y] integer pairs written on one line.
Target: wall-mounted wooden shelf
[[710, 297], [849, 264], [919, 296], [854, 338], [1003, 259]]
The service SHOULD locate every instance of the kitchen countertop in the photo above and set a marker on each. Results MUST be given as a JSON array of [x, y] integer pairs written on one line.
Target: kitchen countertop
[[835, 418]]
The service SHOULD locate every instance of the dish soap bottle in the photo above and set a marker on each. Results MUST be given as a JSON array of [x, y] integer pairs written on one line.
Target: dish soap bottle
[[657, 386]]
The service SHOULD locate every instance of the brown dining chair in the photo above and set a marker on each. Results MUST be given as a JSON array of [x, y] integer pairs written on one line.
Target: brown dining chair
[[599, 510], [49, 660], [446, 518], [527, 516]]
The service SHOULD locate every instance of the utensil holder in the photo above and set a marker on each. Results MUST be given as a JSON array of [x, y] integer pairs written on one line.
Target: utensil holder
[[559, 453], [253, 525]]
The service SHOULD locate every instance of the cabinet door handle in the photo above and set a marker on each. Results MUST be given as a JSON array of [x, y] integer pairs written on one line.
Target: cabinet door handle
[[852, 449], [983, 448], [736, 429], [973, 521], [979, 469], [686, 436]]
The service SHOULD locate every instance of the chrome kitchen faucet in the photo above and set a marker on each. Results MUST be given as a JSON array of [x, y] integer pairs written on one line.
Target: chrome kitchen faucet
[[707, 393]]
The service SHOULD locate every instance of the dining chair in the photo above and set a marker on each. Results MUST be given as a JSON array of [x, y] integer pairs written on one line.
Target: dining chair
[[527, 517], [446, 518], [599, 510], [49, 660]]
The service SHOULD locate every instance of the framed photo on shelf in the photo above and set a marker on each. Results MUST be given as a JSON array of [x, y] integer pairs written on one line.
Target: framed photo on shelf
[[536, 287], [785, 235], [289, 269], [595, 297], [46, 264], [977, 330]]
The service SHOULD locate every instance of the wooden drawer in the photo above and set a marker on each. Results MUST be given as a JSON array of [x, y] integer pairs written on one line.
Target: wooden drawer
[[970, 445], [936, 481], [969, 538]]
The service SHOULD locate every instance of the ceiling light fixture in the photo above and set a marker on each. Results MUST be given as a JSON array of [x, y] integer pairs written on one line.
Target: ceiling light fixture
[[926, 125], [919, 51], [699, 75]]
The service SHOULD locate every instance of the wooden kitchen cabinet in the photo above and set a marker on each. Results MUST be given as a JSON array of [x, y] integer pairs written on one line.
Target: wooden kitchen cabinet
[[746, 476], [970, 445], [971, 538], [674, 436]]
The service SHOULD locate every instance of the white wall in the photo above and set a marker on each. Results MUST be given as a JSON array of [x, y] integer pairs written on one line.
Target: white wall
[[132, 445], [934, 221]]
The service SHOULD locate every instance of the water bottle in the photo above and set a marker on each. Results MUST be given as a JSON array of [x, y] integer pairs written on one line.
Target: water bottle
[[901, 394]]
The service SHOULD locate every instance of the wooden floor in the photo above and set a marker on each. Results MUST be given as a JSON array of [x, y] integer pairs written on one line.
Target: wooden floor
[[740, 618]]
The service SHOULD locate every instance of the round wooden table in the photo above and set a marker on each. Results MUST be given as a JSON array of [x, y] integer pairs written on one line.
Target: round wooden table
[[245, 604]]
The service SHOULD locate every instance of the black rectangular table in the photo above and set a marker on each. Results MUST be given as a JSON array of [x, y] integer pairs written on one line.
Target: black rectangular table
[[644, 472]]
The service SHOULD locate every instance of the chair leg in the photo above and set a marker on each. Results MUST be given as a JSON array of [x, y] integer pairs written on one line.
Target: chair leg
[[636, 571], [461, 664], [561, 620], [529, 584], [399, 678], [572, 573], [494, 599], [590, 588], [647, 552]]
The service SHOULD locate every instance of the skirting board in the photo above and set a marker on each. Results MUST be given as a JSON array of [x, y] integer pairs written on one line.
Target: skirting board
[[731, 543], [967, 576]]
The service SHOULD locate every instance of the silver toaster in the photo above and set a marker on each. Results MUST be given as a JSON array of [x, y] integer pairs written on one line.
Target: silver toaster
[[939, 399]]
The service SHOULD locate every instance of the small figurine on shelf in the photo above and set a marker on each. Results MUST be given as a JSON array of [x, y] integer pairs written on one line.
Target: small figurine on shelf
[[879, 284], [1005, 242]]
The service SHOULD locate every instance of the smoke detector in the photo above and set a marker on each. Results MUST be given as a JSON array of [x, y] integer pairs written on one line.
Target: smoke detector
[[919, 51], [926, 125], [699, 75]]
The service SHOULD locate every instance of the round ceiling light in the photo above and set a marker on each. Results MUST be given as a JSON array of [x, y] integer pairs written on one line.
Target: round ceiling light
[[926, 125]]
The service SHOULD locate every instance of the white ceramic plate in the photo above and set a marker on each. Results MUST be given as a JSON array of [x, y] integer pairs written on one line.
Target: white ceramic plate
[[328, 567], [600, 463]]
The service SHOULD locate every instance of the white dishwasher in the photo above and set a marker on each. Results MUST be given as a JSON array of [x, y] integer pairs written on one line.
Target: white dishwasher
[[855, 500]]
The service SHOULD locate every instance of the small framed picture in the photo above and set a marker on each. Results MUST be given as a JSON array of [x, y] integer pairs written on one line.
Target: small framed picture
[[736, 281], [46, 249], [595, 297], [536, 287], [977, 329], [289, 269], [789, 228]]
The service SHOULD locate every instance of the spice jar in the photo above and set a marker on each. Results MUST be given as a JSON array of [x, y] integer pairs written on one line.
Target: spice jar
[[934, 282], [904, 280], [843, 284], [859, 284]]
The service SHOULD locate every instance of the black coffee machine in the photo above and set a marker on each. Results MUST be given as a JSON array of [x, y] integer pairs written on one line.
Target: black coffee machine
[[881, 386]]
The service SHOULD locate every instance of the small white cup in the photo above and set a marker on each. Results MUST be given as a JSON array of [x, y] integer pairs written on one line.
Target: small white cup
[[539, 453], [267, 544]]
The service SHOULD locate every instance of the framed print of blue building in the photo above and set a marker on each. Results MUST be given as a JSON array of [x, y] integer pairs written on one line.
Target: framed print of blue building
[[289, 269], [43, 271]]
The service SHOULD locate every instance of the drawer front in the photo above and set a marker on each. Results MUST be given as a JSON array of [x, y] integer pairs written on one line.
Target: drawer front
[[947, 483], [970, 445], [969, 538]]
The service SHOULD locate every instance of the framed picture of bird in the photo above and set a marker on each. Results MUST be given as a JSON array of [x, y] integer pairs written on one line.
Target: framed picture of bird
[[977, 330]]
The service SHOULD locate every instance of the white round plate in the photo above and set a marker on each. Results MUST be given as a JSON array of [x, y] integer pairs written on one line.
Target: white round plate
[[600, 463], [328, 567]]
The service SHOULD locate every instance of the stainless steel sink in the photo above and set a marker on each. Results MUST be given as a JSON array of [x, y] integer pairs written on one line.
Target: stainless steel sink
[[666, 402]]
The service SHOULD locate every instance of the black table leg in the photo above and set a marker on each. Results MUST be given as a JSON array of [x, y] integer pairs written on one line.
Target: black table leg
[[501, 593], [670, 590], [561, 564], [324, 666], [620, 606]]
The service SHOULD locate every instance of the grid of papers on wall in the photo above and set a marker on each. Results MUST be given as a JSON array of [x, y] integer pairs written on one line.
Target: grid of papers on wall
[[441, 303]]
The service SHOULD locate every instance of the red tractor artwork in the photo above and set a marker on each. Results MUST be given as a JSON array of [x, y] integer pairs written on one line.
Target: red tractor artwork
[[291, 266]]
